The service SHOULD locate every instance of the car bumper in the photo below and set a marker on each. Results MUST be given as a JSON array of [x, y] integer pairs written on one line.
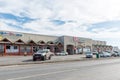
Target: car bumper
[[38, 57]]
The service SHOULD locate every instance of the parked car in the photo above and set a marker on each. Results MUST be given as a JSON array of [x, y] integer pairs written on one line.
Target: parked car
[[95, 52], [89, 54], [42, 55], [115, 54], [105, 54], [62, 53]]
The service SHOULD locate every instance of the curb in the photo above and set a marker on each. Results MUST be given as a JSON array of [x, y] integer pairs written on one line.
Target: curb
[[38, 62], [59, 61]]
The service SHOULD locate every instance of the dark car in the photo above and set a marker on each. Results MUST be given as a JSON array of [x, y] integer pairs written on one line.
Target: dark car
[[42, 55]]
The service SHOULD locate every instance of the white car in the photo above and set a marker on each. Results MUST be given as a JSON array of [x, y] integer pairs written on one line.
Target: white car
[[62, 53], [42, 55], [95, 52], [105, 54]]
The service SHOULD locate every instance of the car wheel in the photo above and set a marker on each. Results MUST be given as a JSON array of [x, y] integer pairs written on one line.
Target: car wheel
[[49, 57], [44, 58], [34, 59]]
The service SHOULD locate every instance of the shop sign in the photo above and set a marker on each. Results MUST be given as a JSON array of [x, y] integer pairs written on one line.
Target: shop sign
[[0, 37], [10, 33], [75, 39], [79, 40]]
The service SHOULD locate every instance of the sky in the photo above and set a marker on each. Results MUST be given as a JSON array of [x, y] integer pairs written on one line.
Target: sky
[[96, 19]]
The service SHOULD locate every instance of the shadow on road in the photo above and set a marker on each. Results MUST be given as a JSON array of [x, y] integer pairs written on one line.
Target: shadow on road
[[29, 60]]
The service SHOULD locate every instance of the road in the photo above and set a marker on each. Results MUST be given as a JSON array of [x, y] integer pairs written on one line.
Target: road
[[107, 69]]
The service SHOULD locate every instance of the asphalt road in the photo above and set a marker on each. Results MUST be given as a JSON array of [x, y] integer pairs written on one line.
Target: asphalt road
[[79, 70]]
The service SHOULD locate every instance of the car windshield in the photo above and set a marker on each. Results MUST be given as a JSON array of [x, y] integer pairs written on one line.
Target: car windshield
[[41, 51], [88, 52], [62, 52]]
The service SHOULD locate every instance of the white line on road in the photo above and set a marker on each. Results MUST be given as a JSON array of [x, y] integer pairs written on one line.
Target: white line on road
[[8, 66], [25, 77], [13, 66]]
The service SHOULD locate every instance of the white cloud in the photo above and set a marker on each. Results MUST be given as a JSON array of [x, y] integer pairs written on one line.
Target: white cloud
[[83, 12], [4, 26]]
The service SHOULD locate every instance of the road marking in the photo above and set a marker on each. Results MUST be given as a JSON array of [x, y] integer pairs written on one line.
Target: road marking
[[15, 66], [8, 66], [25, 77]]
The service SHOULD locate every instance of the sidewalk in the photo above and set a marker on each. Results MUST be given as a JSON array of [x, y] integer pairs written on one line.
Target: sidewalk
[[22, 60]]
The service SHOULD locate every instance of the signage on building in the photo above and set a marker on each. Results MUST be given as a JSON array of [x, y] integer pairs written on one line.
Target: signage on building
[[0, 37], [82, 40], [10, 33], [75, 39], [79, 40]]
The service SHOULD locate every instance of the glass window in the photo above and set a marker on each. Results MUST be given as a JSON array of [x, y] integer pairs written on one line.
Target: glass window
[[15, 47], [0, 46], [7, 47]]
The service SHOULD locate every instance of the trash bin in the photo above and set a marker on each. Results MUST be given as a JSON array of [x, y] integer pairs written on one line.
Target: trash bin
[[97, 55]]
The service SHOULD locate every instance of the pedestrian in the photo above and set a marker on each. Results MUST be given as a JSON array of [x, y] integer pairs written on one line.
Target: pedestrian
[[25, 53]]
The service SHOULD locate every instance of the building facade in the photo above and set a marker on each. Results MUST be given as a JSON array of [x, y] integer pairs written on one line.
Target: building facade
[[16, 43], [101, 46]]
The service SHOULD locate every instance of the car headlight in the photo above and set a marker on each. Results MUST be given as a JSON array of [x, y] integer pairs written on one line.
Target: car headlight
[[43, 54]]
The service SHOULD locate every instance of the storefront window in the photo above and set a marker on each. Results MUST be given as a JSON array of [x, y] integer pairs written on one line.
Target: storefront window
[[15, 47], [7, 47], [25, 49], [1, 48], [11, 49]]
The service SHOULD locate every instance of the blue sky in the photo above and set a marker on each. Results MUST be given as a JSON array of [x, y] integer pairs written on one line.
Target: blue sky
[[96, 19]]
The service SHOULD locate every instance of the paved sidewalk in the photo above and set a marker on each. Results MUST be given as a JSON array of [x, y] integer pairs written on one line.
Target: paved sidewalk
[[23, 60], [19, 60]]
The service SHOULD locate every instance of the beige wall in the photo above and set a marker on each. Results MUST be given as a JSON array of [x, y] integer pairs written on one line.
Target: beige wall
[[66, 40], [83, 41], [37, 38], [26, 37], [97, 42]]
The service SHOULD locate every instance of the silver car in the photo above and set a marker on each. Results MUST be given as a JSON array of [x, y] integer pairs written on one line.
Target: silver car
[[62, 53], [42, 55], [105, 54], [89, 55]]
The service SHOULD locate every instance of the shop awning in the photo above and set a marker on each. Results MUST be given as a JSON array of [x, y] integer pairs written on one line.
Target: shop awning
[[5, 40], [41, 42], [50, 43], [31, 42], [19, 41]]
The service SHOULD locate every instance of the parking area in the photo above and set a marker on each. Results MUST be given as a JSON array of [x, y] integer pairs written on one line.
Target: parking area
[[19, 60], [7, 60]]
